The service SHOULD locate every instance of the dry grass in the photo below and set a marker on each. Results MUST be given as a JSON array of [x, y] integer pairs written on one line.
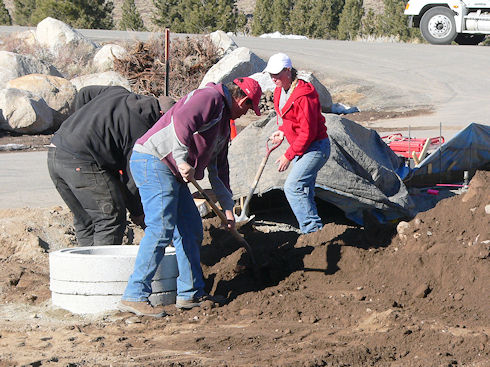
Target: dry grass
[[72, 62]]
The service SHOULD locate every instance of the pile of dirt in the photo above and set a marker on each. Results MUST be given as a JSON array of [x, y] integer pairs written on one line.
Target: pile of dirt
[[337, 297]]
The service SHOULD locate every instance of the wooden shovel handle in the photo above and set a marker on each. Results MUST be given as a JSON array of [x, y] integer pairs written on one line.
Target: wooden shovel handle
[[223, 218]]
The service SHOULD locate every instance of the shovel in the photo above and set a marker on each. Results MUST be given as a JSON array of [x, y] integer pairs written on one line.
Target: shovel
[[243, 215], [224, 220]]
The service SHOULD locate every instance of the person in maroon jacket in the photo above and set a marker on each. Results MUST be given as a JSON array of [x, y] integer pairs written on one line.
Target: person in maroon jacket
[[192, 136], [301, 121]]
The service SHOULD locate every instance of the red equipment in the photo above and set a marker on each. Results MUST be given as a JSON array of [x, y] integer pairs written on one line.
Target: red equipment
[[405, 146], [233, 132]]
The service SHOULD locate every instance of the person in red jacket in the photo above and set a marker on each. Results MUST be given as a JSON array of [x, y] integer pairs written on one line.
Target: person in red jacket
[[300, 120]]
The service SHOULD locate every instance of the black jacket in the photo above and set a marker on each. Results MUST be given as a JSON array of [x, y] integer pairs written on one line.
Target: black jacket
[[104, 128]]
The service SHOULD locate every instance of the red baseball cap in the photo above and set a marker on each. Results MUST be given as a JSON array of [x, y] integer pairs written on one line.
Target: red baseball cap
[[252, 89]]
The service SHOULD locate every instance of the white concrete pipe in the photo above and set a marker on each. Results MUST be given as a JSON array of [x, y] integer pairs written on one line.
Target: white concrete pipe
[[87, 280]]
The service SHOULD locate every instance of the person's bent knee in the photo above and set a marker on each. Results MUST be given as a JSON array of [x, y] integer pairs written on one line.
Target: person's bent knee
[[293, 189]]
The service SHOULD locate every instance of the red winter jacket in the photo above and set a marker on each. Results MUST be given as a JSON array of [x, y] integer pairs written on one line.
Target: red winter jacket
[[303, 122]]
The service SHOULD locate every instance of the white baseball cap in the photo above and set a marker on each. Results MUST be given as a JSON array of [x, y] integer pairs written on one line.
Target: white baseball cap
[[277, 62]]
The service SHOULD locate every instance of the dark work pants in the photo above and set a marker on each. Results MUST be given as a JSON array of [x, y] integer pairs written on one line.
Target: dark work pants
[[93, 195]]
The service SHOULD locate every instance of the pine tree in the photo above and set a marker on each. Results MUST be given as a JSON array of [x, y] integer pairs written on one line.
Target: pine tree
[[393, 22], [226, 17], [131, 17], [262, 18], [301, 21], [368, 27], [280, 15], [325, 16], [168, 15], [350, 19], [23, 10], [91, 14], [196, 16], [5, 18]]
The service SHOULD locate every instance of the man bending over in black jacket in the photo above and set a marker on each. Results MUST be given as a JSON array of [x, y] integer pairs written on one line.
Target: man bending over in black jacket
[[88, 160]]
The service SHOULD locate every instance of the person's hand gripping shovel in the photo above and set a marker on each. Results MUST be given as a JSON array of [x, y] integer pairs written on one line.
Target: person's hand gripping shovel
[[243, 217], [232, 230]]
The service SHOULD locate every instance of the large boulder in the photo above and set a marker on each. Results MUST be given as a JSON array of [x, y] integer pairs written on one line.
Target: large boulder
[[55, 35], [104, 58], [23, 112], [238, 63], [13, 65], [323, 93], [27, 37], [267, 85], [223, 42], [105, 78], [360, 176], [58, 93]]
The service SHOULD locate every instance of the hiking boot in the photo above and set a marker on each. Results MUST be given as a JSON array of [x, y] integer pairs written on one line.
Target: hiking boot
[[187, 304], [141, 308]]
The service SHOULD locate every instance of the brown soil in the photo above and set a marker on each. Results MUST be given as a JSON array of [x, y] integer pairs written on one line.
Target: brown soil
[[339, 297]]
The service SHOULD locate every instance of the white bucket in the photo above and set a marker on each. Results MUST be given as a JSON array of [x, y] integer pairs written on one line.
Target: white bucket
[[86, 280]]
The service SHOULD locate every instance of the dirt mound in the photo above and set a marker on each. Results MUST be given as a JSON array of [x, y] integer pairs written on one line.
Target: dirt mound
[[337, 297]]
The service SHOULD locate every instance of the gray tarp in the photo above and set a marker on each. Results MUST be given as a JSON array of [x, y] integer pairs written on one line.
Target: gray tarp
[[468, 150], [360, 175]]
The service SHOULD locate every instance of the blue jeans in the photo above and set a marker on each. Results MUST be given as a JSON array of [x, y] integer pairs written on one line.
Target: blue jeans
[[170, 216], [300, 185]]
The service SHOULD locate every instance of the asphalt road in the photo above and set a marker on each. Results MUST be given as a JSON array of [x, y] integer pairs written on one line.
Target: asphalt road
[[452, 80], [25, 181]]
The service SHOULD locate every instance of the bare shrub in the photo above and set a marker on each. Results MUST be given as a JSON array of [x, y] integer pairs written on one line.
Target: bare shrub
[[17, 44], [73, 61], [189, 60]]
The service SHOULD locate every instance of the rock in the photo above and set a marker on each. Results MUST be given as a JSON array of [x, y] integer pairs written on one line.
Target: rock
[[422, 291], [57, 92], [191, 62], [27, 37], [402, 227], [238, 63], [265, 81], [458, 297], [23, 112], [323, 93], [105, 78], [133, 320], [223, 42], [104, 58], [487, 209], [56, 36], [266, 84], [13, 65]]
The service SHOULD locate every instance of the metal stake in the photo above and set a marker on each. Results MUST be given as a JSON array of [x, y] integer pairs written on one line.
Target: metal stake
[[167, 65], [440, 151]]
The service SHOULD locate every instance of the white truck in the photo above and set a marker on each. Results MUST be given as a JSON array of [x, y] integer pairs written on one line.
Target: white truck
[[467, 22]]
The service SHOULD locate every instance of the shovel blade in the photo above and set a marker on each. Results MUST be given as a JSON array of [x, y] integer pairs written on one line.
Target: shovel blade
[[243, 218]]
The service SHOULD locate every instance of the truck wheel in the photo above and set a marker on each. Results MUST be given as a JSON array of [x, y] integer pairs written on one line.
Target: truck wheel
[[438, 26], [469, 39]]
